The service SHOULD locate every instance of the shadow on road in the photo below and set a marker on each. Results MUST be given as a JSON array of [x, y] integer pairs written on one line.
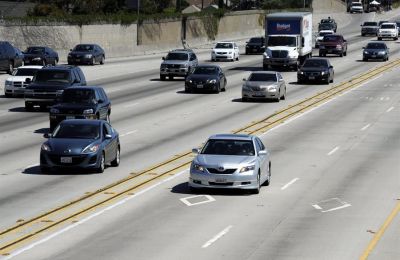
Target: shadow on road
[[183, 188]]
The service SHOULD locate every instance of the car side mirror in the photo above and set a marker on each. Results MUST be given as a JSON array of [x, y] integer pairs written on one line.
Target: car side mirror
[[345, 40], [262, 152], [101, 101], [163, 58], [331, 67], [28, 80], [107, 136], [244, 79], [76, 81], [363, 47], [70, 49], [196, 150], [47, 135]]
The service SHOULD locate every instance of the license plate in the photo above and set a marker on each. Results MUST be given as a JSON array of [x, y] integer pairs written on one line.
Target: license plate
[[258, 94], [69, 117], [311, 77], [78, 60], [220, 180], [66, 159], [200, 86], [373, 56]]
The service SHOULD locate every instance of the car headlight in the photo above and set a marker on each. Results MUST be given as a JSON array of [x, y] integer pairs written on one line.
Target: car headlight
[[300, 72], [272, 88], [8, 83], [293, 56], [88, 111], [247, 168], [59, 92], [46, 148], [37, 58], [322, 47], [54, 111], [189, 81], [184, 65], [365, 52], [91, 148], [88, 56], [198, 167], [338, 46], [382, 53], [163, 66], [323, 73], [212, 81]]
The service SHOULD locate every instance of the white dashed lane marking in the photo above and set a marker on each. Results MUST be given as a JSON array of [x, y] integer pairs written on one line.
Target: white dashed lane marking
[[217, 236], [289, 183], [365, 127], [333, 150]]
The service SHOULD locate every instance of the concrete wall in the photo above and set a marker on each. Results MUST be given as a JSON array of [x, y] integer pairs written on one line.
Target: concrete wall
[[240, 26]]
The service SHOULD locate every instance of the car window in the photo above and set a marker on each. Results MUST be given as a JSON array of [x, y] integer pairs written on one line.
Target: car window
[[224, 45], [81, 75], [260, 143], [76, 75], [35, 50], [258, 147], [103, 94], [376, 45], [83, 47], [105, 130], [76, 131], [24, 72], [387, 26], [206, 70], [262, 77], [279, 76], [177, 56], [370, 24], [332, 38], [229, 147], [316, 63], [109, 128], [53, 76]]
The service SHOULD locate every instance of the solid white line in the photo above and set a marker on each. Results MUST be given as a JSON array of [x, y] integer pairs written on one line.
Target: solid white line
[[131, 105], [217, 236], [365, 127], [334, 150], [290, 183], [316, 206], [341, 207], [39, 242], [390, 109], [129, 133]]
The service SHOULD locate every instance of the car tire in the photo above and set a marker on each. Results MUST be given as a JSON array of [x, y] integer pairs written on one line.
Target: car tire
[[379, 38], [102, 164], [162, 77], [7, 95], [245, 99], [268, 181], [341, 54], [44, 170], [102, 60], [265, 67], [218, 88], [116, 161], [345, 53], [93, 61], [365, 59], [171, 77], [257, 190], [237, 58], [331, 80], [28, 107], [284, 96]]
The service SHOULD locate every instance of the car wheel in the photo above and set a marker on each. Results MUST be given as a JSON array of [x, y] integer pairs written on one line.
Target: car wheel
[[268, 181], [44, 170], [102, 164], [279, 97], [364, 59], [245, 99], [108, 118], [10, 67], [387, 58], [218, 88], [102, 60], [257, 190], [116, 161], [331, 80], [93, 61], [162, 77], [28, 107], [171, 77], [284, 95], [237, 58], [341, 54], [7, 95], [345, 53]]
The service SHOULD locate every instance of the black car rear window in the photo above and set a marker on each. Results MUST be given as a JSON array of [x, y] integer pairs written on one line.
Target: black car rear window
[[262, 77], [370, 24], [77, 131], [52, 76], [256, 40], [332, 38], [83, 47], [376, 45], [35, 50], [229, 147], [205, 71], [315, 63], [78, 96], [177, 56]]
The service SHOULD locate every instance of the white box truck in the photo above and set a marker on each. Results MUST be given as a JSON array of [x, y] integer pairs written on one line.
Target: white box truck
[[288, 39]]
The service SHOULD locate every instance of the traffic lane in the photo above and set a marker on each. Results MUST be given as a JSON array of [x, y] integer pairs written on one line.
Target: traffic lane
[[135, 145], [253, 223]]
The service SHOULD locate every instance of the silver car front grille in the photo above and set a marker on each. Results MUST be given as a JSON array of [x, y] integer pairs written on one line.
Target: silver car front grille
[[218, 171]]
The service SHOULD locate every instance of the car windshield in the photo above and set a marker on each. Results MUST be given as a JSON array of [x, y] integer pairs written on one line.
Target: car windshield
[[78, 96], [282, 41], [376, 45], [25, 72], [325, 26], [326, 21], [370, 24], [52, 76], [206, 70], [77, 131], [177, 56], [356, 4], [332, 38], [315, 63], [387, 26], [35, 50], [224, 45], [381, 22], [83, 47], [256, 40], [324, 33], [262, 77], [229, 147]]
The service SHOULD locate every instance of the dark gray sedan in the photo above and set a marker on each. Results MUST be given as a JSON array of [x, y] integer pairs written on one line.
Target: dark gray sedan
[[206, 78], [264, 85], [376, 50], [86, 54]]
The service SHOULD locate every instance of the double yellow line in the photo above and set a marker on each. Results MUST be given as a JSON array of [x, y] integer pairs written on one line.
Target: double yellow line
[[25, 231]]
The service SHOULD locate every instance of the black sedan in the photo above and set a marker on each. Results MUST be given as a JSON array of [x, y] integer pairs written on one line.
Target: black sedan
[[206, 77], [81, 143], [316, 69], [255, 45], [40, 55], [376, 50], [86, 54]]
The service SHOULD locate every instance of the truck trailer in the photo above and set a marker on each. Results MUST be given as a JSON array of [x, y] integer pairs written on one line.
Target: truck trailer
[[288, 39]]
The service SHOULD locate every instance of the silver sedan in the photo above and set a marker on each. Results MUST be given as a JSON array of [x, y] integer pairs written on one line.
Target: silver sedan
[[264, 85], [231, 161]]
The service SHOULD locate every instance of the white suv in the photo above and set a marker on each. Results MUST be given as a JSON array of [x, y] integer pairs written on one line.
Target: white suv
[[356, 7], [16, 84], [225, 51], [388, 30]]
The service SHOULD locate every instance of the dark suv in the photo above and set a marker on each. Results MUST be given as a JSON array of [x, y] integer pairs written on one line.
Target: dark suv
[[333, 44], [178, 63], [9, 58], [49, 83], [255, 45], [327, 24], [81, 103], [40, 55]]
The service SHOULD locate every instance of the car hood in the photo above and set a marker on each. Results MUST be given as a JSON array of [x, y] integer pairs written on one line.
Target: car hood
[[179, 62], [370, 27], [18, 78], [69, 146], [75, 107], [260, 83], [226, 161], [314, 69], [201, 77], [48, 86]]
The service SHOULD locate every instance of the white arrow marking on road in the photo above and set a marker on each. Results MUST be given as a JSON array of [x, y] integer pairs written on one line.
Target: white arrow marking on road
[[217, 236]]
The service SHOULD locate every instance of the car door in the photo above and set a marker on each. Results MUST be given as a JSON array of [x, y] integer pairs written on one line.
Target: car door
[[102, 104], [107, 144], [222, 77], [3, 57], [263, 159], [236, 49], [113, 142], [281, 83]]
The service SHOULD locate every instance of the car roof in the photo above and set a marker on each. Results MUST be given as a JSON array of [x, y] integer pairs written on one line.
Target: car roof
[[30, 67], [182, 50], [264, 72], [59, 67], [83, 121], [225, 42], [231, 137]]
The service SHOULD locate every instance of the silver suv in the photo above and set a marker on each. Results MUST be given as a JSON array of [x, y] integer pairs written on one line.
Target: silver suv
[[178, 63]]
